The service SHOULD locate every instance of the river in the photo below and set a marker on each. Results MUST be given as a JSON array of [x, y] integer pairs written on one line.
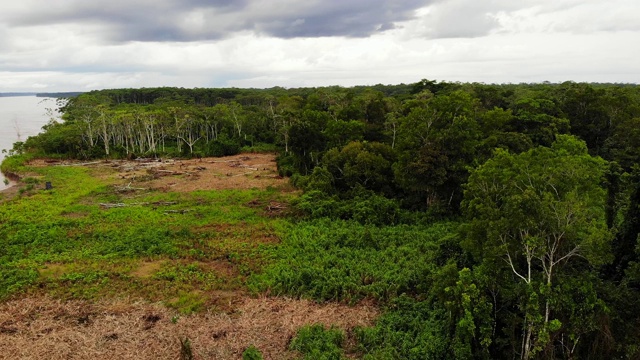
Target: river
[[21, 117]]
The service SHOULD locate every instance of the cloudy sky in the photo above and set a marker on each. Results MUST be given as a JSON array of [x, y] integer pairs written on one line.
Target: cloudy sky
[[79, 45]]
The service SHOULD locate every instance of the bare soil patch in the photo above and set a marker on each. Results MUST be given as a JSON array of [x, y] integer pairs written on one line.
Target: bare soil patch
[[54, 270], [39, 328], [243, 171], [147, 269], [9, 193]]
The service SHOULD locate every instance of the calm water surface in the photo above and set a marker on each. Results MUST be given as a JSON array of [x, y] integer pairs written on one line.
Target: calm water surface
[[21, 117]]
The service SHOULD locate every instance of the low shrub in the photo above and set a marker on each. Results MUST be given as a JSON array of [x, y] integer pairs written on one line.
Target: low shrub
[[251, 353], [222, 146], [317, 343]]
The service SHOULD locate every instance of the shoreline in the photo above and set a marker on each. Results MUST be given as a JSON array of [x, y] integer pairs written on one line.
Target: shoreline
[[8, 187], [13, 181]]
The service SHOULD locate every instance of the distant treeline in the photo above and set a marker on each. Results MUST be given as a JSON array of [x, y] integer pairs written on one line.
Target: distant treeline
[[411, 141], [12, 94], [51, 95], [60, 94]]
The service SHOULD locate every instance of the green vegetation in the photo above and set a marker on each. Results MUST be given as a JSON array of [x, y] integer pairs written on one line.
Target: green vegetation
[[346, 261], [63, 241], [316, 342], [486, 221], [252, 353]]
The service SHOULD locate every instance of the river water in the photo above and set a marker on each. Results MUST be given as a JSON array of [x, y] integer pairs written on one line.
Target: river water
[[21, 117]]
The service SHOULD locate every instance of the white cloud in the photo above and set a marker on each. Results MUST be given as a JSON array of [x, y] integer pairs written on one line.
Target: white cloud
[[582, 17]]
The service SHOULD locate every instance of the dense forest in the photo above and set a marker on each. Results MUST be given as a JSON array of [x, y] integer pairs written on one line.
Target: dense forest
[[488, 221]]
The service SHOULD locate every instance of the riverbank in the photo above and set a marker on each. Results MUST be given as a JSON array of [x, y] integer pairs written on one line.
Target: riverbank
[[21, 117]]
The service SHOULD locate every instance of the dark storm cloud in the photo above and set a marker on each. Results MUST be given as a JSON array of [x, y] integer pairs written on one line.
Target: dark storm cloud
[[353, 18], [122, 20], [174, 20]]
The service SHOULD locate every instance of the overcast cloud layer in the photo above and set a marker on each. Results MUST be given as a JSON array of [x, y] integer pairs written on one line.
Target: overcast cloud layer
[[71, 45]]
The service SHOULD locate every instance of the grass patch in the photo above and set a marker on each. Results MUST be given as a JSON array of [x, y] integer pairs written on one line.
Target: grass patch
[[187, 302], [315, 342]]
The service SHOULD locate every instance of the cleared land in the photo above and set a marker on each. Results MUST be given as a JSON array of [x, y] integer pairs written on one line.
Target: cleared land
[[39, 328], [143, 254], [244, 171]]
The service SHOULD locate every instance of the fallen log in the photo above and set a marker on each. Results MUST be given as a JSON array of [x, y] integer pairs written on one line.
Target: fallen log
[[127, 188], [167, 212], [113, 205], [164, 203], [119, 205], [81, 164]]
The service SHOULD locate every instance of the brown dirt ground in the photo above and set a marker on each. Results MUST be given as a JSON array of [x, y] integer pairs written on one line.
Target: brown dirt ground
[[45, 328], [243, 171], [9, 193]]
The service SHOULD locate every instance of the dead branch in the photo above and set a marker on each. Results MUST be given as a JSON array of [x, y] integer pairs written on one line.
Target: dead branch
[[247, 173], [119, 205], [113, 205], [164, 203], [276, 206], [81, 164], [177, 211], [127, 188]]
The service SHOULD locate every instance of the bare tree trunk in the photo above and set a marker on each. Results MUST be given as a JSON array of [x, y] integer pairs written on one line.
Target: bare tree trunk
[[105, 135], [526, 351]]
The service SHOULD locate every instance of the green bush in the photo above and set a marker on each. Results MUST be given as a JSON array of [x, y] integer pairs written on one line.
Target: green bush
[[365, 207], [223, 146], [409, 330], [319, 180], [15, 164], [370, 208], [13, 280], [286, 165], [58, 138], [347, 261], [317, 343], [187, 302], [252, 353]]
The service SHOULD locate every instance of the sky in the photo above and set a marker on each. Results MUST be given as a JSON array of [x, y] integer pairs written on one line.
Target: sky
[[80, 45]]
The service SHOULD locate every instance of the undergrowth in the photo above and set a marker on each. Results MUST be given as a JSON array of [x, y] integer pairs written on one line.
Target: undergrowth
[[314, 342], [346, 261]]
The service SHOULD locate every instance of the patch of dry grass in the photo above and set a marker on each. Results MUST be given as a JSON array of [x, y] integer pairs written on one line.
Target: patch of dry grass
[[45, 328]]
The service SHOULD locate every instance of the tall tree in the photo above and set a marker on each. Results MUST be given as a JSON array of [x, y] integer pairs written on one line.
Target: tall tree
[[436, 142], [542, 215]]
